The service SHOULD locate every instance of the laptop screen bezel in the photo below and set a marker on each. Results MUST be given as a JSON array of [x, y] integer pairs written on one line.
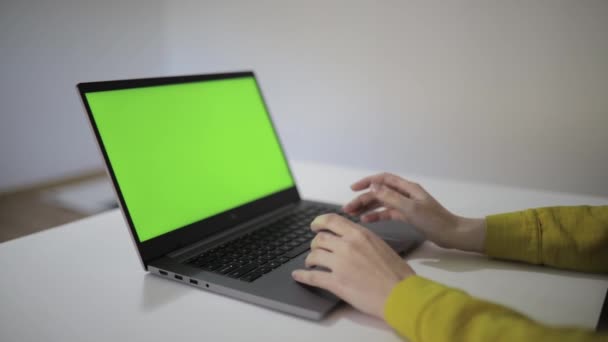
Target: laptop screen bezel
[[183, 236]]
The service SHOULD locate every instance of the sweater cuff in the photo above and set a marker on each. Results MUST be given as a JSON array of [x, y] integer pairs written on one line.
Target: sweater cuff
[[514, 236], [406, 302]]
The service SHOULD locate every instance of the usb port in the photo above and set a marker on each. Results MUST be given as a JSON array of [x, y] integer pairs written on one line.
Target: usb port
[[162, 272], [193, 281], [178, 277]]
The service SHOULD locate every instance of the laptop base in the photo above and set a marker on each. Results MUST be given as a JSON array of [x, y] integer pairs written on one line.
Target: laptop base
[[277, 290]]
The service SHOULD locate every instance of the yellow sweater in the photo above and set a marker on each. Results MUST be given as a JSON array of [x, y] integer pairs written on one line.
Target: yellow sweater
[[574, 238]]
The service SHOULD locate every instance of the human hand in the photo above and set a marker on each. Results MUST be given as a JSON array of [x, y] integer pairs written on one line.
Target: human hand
[[363, 269], [402, 200]]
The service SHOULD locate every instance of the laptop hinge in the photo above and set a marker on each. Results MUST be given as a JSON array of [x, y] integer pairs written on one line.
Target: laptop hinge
[[185, 251]]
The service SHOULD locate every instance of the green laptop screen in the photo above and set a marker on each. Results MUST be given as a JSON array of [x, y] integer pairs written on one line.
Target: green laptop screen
[[185, 152]]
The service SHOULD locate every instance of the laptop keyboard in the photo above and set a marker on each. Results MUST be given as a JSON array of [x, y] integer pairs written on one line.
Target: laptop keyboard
[[256, 253]]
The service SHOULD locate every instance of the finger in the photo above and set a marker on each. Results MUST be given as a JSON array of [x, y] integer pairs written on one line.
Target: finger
[[362, 203], [402, 185], [383, 215], [393, 199], [327, 241], [372, 217], [362, 183], [320, 257], [320, 279], [334, 223]]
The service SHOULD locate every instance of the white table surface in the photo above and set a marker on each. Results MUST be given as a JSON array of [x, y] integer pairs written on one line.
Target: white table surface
[[83, 282]]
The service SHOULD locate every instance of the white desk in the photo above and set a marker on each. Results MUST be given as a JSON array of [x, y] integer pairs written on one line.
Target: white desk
[[83, 282]]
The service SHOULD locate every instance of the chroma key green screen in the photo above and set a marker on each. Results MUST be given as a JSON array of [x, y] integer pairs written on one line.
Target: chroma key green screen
[[185, 152]]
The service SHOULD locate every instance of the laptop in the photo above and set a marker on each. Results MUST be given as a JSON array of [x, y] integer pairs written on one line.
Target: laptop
[[206, 190]]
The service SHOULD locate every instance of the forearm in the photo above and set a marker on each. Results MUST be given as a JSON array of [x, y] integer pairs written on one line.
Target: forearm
[[564, 237], [422, 310]]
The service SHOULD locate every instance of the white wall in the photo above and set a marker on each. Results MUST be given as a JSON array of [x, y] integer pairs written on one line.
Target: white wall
[[513, 92], [46, 47]]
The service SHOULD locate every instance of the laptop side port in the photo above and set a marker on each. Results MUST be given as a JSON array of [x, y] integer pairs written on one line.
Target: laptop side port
[[194, 281], [162, 272], [178, 277]]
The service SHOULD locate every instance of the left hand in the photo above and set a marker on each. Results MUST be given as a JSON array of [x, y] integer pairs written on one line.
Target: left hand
[[403, 200], [363, 269]]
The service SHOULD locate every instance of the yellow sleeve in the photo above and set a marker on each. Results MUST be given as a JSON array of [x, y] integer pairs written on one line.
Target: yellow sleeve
[[424, 311], [574, 238]]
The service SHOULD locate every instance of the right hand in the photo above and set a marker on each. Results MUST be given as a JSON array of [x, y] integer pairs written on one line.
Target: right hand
[[363, 269], [390, 197]]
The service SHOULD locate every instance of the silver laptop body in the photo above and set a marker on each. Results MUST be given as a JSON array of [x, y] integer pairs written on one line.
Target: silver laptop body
[[191, 253]]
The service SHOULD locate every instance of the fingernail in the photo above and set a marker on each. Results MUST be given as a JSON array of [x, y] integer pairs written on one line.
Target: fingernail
[[295, 274], [317, 220]]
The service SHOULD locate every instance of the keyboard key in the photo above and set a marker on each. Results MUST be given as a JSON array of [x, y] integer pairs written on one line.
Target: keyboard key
[[231, 267], [297, 251], [276, 252], [252, 276], [241, 271], [273, 264], [204, 261], [246, 258], [263, 258], [265, 269], [212, 266]]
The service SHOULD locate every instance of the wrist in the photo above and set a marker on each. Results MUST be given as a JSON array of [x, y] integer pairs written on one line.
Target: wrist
[[392, 288], [470, 234]]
